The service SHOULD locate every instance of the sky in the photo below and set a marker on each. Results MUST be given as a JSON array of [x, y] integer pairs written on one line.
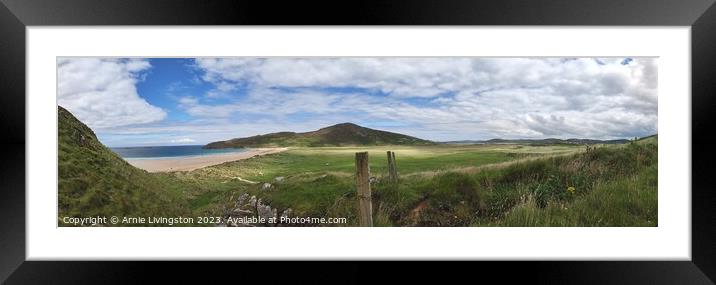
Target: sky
[[191, 101]]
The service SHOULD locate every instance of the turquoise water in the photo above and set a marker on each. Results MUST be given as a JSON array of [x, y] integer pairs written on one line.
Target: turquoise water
[[150, 152]]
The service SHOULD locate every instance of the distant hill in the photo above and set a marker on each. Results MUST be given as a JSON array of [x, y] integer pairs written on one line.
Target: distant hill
[[654, 136], [648, 139], [93, 180], [346, 134], [547, 141]]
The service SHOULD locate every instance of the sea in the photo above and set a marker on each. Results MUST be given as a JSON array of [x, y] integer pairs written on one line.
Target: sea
[[175, 151]]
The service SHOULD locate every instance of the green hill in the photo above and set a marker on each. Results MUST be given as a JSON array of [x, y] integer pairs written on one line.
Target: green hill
[[345, 134], [93, 180]]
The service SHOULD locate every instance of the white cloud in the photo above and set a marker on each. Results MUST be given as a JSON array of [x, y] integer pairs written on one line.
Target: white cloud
[[409, 77], [102, 93], [468, 98], [432, 98]]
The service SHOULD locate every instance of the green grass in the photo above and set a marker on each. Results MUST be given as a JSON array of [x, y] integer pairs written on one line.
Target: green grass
[[94, 181], [480, 185], [303, 170], [341, 159], [626, 201], [614, 186]]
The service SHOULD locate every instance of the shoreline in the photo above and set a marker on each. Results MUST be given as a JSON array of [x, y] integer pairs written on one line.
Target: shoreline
[[189, 163]]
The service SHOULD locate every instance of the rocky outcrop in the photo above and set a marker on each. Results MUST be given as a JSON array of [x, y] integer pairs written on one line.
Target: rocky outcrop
[[250, 211]]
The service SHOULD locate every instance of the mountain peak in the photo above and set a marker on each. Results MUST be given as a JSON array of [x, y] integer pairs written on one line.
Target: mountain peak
[[343, 125], [349, 124]]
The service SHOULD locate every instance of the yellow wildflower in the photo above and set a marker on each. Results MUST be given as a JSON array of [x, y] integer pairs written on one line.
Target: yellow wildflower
[[571, 190]]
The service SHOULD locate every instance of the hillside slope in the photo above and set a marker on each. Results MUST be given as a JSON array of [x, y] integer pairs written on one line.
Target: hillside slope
[[346, 134], [93, 180]]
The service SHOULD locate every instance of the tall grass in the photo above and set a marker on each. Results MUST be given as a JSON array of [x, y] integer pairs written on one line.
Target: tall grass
[[626, 201], [615, 186], [606, 186], [94, 181]]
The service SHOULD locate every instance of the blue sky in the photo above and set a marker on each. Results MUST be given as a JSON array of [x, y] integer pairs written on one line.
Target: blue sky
[[173, 101]]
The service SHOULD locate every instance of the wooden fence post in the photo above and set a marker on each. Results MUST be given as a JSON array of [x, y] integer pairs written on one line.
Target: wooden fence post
[[365, 208], [392, 168], [395, 168]]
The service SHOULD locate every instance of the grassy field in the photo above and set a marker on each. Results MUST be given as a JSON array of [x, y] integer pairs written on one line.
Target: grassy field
[[449, 185], [340, 160]]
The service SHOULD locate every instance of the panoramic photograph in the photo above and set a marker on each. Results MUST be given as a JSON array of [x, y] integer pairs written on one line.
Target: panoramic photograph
[[357, 142]]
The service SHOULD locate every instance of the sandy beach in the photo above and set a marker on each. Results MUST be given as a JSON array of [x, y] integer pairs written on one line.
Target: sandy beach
[[196, 162]]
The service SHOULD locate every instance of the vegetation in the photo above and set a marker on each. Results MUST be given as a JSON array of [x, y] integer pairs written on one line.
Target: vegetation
[[299, 166], [550, 141], [440, 185], [486, 185], [95, 181]]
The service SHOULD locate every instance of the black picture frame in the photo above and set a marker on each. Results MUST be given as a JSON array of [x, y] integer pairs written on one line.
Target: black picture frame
[[16, 15]]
